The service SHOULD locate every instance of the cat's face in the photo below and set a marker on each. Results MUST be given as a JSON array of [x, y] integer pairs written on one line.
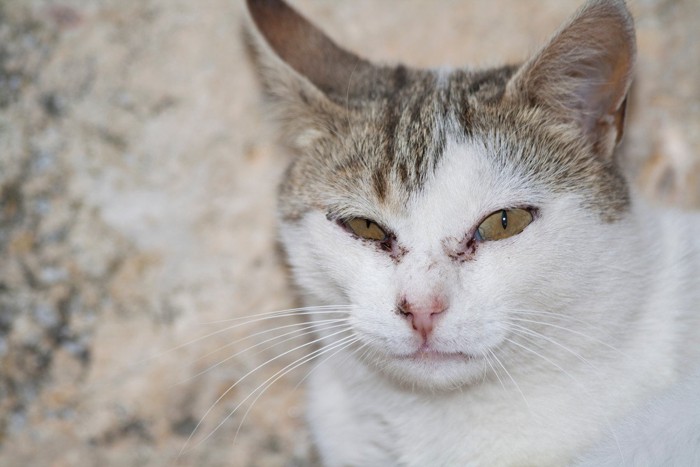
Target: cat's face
[[434, 256], [450, 208]]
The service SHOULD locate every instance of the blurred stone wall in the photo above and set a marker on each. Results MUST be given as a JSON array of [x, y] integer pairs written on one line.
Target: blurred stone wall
[[137, 181]]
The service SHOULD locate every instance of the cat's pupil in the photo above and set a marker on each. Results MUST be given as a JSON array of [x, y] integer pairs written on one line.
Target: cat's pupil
[[368, 223], [504, 219]]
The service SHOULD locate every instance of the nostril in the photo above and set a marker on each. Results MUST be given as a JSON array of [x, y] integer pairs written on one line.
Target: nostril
[[404, 308]]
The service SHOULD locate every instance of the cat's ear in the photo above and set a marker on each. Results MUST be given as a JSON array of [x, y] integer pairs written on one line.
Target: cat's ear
[[584, 73], [302, 70]]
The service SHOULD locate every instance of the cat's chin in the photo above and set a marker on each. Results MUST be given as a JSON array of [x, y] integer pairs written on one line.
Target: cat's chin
[[433, 370]]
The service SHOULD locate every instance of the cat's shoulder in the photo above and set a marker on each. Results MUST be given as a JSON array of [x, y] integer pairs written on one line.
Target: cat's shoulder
[[663, 431]]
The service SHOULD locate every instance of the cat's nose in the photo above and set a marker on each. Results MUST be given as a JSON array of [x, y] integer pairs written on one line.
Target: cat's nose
[[422, 316]]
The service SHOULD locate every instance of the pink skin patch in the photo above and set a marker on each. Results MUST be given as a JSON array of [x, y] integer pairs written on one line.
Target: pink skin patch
[[422, 316]]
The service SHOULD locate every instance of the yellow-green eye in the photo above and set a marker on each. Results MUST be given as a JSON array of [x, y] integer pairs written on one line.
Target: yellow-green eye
[[503, 224], [365, 228]]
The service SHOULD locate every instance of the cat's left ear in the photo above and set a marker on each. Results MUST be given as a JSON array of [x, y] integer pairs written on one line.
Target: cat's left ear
[[304, 73], [584, 73]]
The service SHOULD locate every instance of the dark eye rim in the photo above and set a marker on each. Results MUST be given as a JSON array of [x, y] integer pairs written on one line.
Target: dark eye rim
[[385, 243], [534, 212], [344, 223]]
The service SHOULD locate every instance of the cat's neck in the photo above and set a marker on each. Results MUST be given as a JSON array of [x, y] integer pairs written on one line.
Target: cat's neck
[[671, 241], [675, 272]]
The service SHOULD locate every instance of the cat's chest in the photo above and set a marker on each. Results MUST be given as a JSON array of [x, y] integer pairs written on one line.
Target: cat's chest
[[489, 427], [492, 424]]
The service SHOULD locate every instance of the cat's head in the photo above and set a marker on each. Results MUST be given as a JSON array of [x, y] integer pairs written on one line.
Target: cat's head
[[453, 208]]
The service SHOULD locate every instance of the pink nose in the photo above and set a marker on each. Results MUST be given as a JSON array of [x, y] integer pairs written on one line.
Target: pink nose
[[422, 316]]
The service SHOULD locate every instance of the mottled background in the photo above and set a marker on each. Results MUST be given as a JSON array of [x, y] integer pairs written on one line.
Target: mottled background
[[137, 180]]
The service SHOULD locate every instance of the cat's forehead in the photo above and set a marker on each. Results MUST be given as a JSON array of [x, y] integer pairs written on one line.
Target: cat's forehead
[[395, 124], [403, 133], [468, 181], [399, 138]]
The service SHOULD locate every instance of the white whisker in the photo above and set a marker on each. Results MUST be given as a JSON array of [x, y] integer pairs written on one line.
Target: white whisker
[[557, 316], [527, 349], [275, 376], [512, 379], [228, 328], [543, 323], [535, 334], [307, 332], [488, 360], [323, 308], [230, 388], [608, 424], [304, 325], [320, 363], [343, 344]]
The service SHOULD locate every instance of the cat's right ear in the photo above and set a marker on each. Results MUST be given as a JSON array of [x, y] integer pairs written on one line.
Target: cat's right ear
[[303, 72]]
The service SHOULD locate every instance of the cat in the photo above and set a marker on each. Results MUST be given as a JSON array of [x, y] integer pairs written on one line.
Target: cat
[[505, 298]]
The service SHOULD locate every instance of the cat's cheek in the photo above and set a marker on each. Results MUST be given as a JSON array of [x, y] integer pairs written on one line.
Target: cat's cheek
[[504, 279], [546, 267], [332, 265], [376, 318]]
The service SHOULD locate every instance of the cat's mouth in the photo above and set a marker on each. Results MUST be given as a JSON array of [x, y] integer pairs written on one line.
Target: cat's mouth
[[431, 355], [432, 367]]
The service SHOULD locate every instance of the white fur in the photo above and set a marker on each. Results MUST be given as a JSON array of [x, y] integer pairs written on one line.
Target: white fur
[[663, 432], [631, 285]]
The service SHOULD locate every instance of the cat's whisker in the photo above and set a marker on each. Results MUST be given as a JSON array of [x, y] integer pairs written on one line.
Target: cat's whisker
[[368, 350], [527, 349], [303, 325], [520, 330], [337, 346], [488, 360], [244, 377], [307, 331], [275, 377], [606, 418], [300, 310], [556, 316], [340, 363], [578, 333], [285, 314], [522, 394], [484, 373], [355, 352]]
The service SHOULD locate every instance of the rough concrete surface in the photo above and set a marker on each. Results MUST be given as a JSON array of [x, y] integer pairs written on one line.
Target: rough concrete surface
[[137, 181]]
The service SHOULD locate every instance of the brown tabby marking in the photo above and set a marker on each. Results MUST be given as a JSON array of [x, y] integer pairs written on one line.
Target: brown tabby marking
[[371, 135]]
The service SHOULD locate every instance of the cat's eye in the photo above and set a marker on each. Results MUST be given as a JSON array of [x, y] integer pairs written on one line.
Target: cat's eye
[[503, 224], [365, 228]]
